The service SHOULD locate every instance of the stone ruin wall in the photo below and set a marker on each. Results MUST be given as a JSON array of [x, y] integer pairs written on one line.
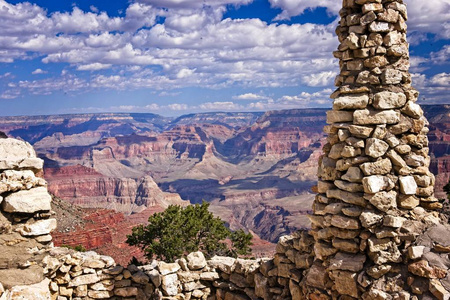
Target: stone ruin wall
[[31, 268], [376, 232]]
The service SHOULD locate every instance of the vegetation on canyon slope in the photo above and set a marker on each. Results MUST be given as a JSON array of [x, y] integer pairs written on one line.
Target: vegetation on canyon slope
[[178, 231]]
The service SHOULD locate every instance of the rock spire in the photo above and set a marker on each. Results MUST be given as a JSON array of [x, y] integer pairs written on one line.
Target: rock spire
[[375, 191]]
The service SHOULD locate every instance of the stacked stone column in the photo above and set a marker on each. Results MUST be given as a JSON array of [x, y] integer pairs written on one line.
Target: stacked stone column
[[25, 222], [373, 177]]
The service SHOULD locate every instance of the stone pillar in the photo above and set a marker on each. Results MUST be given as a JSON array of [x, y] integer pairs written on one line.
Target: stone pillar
[[374, 183], [25, 222]]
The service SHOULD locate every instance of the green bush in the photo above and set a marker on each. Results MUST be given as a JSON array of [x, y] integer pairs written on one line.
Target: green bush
[[79, 248], [178, 231]]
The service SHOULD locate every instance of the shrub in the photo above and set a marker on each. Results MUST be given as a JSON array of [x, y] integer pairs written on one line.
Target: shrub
[[178, 231]]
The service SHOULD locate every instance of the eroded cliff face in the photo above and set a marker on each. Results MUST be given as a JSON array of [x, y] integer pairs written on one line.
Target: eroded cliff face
[[224, 158], [88, 188]]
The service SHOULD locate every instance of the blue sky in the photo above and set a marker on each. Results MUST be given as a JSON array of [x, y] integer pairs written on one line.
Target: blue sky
[[173, 57]]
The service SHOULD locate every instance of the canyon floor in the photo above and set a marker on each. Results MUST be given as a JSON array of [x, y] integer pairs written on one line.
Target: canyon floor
[[109, 172]]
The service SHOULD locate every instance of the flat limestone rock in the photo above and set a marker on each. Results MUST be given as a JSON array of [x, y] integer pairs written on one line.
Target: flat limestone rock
[[41, 227], [354, 174], [196, 260], [389, 100], [28, 201], [347, 262], [168, 268], [376, 183], [15, 150], [38, 291], [334, 116], [18, 277], [351, 102], [352, 198], [380, 167], [345, 283], [373, 117]]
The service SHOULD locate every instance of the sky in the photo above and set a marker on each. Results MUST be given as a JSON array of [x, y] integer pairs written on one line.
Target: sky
[[173, 57]]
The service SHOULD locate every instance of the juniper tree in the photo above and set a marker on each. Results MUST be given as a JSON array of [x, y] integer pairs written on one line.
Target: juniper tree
[[178, 231]]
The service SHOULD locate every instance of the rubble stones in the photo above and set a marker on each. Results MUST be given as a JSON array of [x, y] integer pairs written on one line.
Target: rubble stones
[[375, 147], [196, 260]]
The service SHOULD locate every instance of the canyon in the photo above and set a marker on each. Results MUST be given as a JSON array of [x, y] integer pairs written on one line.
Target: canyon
[[257, 170]]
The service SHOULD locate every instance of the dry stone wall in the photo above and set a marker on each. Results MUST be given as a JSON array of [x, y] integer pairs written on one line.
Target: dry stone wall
[[31, 268]]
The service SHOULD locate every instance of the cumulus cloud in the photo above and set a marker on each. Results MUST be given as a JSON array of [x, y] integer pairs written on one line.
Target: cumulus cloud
[[442, 56], [295, 7], [191, 45], [5, 75], [430, 16], [93, 67], [249, 96], [320, 79], [39, 71], [178, 106], [194, 3], [418, 64], [442, 79], [432, 89], [221, 106]]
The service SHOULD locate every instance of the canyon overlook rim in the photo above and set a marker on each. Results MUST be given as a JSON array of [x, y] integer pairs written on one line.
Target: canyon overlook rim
[[376, 229]]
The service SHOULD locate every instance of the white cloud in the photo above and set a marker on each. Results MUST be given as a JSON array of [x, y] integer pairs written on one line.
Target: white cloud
[[10, 94], [39, 71], [222, 106], [430, 16], [153, 106], [320, 79], [434, 89], [442, 56], [7, 74], [194, 4], [442, 79], [296, 7], [418, 64], [93, 9], [183, 73], [93, 67], [47, 86], [191, 46], [177, 106], [168, 94], [419, 80], [304, 99], [249, 96]]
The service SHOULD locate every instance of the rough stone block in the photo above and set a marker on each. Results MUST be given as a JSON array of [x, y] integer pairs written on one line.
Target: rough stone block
[[372, 117], [28, 201]]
